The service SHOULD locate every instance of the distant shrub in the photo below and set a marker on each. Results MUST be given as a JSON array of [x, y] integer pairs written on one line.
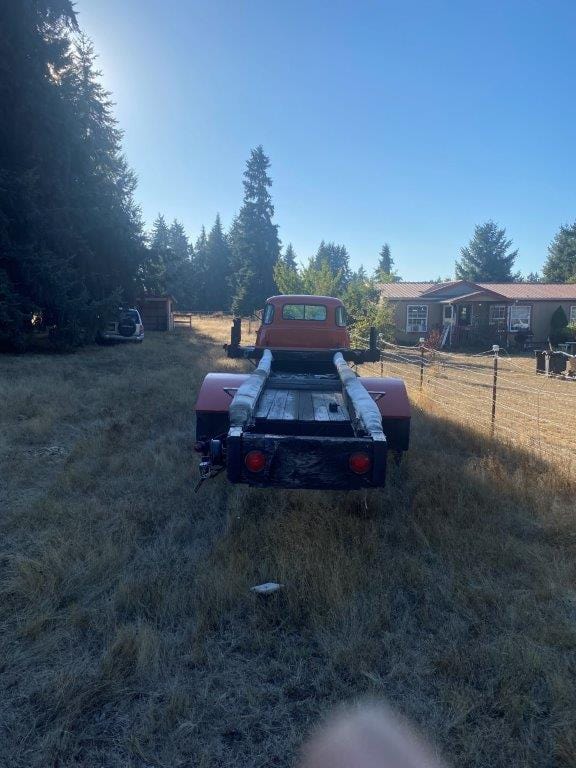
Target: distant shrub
[[559, 330], [434, 339]]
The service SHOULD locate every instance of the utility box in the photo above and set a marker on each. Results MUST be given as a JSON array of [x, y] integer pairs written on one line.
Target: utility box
[[550, 363]]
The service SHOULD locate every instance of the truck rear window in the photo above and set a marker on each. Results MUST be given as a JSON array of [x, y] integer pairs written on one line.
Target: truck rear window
[[304, 312], [341, 318], [268, 315]]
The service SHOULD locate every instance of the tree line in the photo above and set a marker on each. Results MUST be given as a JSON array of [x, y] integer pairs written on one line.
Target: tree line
[[73, 246]]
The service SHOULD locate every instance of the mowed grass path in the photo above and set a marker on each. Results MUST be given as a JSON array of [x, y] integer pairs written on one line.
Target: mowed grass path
[[129, 636]]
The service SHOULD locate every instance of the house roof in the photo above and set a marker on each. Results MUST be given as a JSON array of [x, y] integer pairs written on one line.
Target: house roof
[[509, 291]]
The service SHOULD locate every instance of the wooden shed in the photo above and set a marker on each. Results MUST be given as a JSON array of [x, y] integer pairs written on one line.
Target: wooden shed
[[157, 312]]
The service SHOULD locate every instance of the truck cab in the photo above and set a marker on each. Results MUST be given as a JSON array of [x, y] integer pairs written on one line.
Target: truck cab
[[303, 322]]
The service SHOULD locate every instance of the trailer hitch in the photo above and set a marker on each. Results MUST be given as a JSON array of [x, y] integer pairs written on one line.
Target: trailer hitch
[[213, 459]]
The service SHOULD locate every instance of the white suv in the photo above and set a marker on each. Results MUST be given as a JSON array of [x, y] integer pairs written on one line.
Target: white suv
[[128, 327]]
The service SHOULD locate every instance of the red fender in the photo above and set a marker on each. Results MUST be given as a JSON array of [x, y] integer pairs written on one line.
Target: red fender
[[217, 391], [390, 396]]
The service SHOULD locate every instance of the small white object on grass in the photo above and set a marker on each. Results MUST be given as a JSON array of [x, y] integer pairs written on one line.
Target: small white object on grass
[[266, 589]]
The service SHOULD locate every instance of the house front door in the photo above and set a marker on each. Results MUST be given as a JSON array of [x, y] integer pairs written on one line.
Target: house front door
[[464, 315]]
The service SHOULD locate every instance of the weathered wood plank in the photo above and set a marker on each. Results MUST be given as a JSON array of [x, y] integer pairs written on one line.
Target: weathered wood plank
[[277, 409], [305, 406], [265, 403], [320, 407], [291, 406]]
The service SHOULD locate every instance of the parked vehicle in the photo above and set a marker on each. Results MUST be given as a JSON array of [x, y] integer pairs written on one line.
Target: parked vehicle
[[127, 326], [302, 418]]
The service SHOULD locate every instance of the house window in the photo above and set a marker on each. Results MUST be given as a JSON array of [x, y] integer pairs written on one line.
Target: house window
[[572, 320], [520, 318], [448, 313], [497, 314], [417, 318]]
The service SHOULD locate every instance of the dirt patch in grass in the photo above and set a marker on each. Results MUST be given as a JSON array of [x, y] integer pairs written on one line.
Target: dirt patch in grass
[[129, 635]]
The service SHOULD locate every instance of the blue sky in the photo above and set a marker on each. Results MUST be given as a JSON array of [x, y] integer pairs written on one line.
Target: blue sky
[[406, 122]]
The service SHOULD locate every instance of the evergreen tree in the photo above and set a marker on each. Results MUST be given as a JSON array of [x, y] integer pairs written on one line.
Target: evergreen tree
[[560, 266], [153, 268], [217, 286], [286, 273], [106, 217], [160, 238], [336, 259], [359, 291], [385, 272], [180, 278], [487, 258], [559, 330], [320, 280], [200, 266], [385, 260], [289, 257], [254, 240], [178, 245]]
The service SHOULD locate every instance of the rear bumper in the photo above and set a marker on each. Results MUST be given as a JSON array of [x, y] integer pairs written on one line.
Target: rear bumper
[[111, 336], [305, 462]]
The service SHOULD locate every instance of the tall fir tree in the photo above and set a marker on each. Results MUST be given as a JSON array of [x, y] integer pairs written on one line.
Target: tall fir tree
[[286, 273], [560, 266], [201, 271], [180, 278], [385, 260], [487, 258], [254, 239], [160, 237], [385, 272], [153, 268], [217, 288], [178, 245], [289, 257]]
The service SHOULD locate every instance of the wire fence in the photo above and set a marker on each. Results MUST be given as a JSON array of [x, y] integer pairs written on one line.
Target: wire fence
[[502, 397]]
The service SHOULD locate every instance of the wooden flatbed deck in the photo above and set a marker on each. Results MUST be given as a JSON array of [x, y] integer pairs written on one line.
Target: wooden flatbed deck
[[301, 405]]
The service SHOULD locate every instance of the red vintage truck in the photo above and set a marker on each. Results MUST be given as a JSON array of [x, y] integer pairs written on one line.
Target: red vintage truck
[[302, 418]]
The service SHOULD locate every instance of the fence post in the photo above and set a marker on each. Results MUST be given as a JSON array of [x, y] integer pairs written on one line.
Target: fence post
[[495, 349], [422, 340]]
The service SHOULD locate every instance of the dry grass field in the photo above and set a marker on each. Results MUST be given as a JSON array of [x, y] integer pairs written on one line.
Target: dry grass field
[[129, 636]]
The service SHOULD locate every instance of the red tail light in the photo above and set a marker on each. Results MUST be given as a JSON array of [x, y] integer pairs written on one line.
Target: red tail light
[[255, 461], [360, 463]]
